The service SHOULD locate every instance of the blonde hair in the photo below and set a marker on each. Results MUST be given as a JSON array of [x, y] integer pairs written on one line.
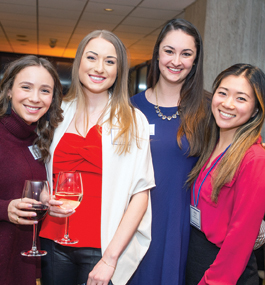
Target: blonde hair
[[120, 106], [245, 136]]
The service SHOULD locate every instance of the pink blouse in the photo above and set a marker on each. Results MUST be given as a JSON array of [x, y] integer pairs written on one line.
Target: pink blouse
[[233, 222]]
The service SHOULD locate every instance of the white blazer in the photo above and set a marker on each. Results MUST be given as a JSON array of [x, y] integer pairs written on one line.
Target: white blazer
[[122, 176]]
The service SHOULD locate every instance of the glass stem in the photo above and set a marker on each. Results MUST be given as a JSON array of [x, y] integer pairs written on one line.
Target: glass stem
[[34, 246], [66, 235]]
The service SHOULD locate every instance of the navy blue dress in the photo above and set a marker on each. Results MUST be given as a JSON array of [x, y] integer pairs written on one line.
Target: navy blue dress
[[165, 261]]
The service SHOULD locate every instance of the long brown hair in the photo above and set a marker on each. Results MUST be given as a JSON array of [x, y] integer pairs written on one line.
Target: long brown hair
[[245, 136], [120, 106], [192, 99], [45, 130]]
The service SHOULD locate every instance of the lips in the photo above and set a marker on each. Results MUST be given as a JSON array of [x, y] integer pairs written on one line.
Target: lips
[[226, 114], [174, 69], [32, 109], [97, 79]]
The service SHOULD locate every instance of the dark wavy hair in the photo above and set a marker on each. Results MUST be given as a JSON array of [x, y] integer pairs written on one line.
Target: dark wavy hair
[[192, 97], [45, 130]]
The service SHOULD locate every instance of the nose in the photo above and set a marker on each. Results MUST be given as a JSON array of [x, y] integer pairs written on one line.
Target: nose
[[99, 66], [176, 59], [34, 96], [228, 103]]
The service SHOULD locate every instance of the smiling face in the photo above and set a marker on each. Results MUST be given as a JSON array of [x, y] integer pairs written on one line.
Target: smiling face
[[177, 53], [32, 92], [98, 66], [233, 104]]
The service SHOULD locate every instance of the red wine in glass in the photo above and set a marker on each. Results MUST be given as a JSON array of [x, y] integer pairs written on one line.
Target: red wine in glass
[[40, 210], [40, 192]]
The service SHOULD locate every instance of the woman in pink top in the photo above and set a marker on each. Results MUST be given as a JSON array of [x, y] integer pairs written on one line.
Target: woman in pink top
[[228, 184]]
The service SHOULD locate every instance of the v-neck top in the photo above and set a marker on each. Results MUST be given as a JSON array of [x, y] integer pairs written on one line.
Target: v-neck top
[[83, 154], [233, 222]]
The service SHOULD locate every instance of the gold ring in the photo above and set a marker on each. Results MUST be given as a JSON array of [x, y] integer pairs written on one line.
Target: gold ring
[[17, 218]]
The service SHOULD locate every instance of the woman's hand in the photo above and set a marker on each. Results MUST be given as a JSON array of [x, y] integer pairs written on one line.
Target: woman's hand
[[101, 273], [56, 211], [104, 269], [17, 211]]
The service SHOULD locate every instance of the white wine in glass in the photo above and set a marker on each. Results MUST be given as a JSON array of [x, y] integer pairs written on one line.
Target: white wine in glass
[[69, 190], [39, 191]]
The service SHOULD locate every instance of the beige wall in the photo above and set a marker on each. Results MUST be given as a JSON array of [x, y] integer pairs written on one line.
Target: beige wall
[[196, 14], [233, 31]]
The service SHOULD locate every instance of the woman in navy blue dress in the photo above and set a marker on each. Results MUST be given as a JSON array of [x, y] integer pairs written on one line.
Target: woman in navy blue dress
[[174, 105]]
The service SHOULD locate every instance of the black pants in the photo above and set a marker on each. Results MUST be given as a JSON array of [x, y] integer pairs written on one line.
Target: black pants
[[202, 254], [64, 265]]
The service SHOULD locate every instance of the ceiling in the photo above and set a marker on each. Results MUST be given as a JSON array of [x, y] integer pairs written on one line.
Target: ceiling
[[27, 26]]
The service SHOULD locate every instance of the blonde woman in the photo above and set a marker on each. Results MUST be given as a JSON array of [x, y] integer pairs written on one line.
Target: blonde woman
[[107, 140]]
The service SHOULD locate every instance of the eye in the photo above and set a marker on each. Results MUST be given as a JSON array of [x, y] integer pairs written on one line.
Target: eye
[[221, 93], [168, 51], [242, 99], [25, 87], [110, 62], [187, 54], [46, 91], [90, 57]]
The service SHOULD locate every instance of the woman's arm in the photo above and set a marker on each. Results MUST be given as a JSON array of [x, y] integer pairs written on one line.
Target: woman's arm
[[105, 268], [243, 228]]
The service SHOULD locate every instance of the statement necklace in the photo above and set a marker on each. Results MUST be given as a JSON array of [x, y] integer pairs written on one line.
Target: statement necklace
[[160, 114]]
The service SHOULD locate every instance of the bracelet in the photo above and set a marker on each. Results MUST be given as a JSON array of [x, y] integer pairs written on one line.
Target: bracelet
[[107, 263]]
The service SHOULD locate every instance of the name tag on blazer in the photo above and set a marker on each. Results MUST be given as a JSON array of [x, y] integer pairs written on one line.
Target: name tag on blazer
[[35, 151], [152, 129], [114, 132]]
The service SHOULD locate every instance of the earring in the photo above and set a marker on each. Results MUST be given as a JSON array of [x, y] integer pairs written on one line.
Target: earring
[[157, 58], [9, 108], [255, 113]]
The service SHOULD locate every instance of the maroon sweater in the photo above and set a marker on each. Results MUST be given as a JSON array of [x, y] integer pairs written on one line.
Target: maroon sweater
[[16, 165]]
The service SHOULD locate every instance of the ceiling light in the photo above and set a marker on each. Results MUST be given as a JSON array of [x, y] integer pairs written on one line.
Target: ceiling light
[[22, 40], [108, 9], [21, 36], [52, 43]]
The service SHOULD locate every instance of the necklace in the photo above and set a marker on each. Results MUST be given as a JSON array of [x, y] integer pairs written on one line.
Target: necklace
[[160, 114]]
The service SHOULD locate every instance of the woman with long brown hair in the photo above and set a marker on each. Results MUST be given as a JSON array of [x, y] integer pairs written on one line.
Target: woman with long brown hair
[[228, 192], [174, 105], [30, 99], [107, 140]]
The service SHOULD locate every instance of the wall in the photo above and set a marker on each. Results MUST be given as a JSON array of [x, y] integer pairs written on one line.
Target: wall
[[196, 14], [232, 32]]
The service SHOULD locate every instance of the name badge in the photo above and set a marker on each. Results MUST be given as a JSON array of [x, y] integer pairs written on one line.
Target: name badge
[[35, 151], [152, 129], [195, 217], [114, 132]]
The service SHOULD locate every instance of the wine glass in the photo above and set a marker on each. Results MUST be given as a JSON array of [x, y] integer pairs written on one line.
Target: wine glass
[[69, 190], [39, 191]]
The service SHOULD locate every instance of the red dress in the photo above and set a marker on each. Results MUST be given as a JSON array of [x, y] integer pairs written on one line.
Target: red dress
[[74, 152]]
